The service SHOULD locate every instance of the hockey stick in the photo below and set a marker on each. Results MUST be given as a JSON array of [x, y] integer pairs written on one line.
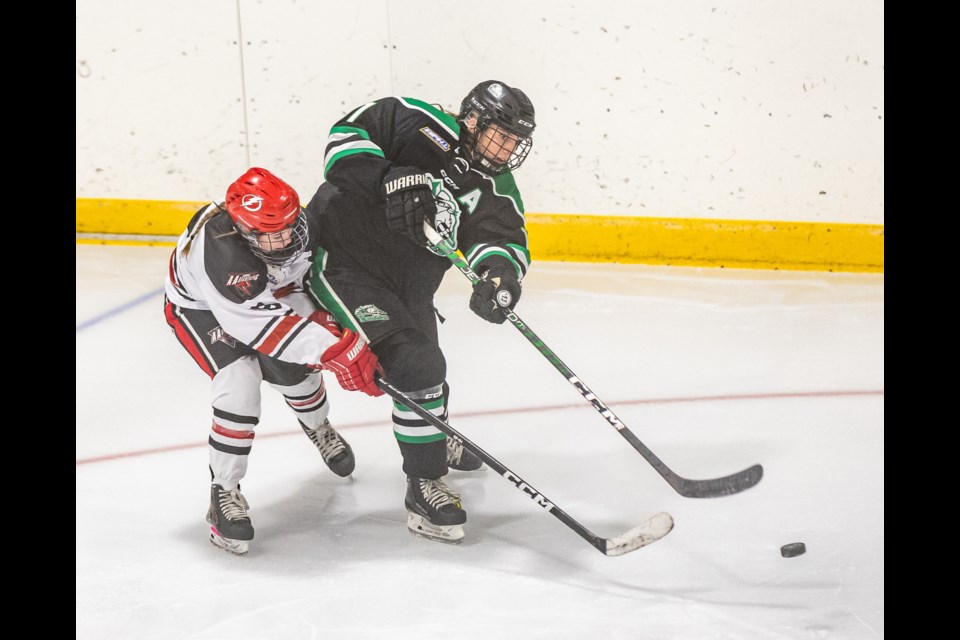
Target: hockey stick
[[640, 536], [711, 488]]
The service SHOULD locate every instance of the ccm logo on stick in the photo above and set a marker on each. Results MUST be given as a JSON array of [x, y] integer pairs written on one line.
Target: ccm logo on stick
[[527, 489]]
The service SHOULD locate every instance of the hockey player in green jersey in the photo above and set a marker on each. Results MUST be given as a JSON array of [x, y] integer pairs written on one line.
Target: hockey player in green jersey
[[391, 165]]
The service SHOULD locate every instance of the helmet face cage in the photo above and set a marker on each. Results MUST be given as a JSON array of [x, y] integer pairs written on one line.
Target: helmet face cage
[[489, 146], [504, 119], [277, 248]]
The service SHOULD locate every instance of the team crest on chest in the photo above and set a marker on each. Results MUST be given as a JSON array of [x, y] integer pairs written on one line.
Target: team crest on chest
[[447, 221]]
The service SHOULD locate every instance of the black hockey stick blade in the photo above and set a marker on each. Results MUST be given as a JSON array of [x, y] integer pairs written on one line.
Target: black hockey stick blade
[[688, 488], [640, 536], [717, 487]]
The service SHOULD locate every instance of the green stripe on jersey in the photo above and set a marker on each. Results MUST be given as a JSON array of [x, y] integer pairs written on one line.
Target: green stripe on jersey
[[443, 118], [324, 295], [372, 150], [419, 439], [495, 251], [356, 130], [505, 185], [522, 252], [356, 114]]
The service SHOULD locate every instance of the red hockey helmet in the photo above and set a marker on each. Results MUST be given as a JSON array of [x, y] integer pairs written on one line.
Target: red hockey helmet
[[266, 211]]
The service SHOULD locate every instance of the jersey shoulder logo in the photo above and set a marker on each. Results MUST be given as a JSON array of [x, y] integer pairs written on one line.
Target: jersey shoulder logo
[[436, 138], [370, 313], [242, 281]]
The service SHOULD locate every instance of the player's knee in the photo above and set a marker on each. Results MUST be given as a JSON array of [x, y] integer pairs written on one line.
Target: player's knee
[[411, 361], [236, 388]]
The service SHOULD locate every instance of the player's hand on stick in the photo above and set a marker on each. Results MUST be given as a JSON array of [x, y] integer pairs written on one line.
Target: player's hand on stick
[[410, 202], [497, 291], [354, 364]]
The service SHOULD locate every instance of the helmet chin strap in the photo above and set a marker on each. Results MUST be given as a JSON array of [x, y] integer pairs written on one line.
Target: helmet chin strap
[[470, 147], [488, 164], [279, 258]]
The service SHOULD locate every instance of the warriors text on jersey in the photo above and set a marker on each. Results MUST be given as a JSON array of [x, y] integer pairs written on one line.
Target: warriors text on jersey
[[264, 307], [487, 222]]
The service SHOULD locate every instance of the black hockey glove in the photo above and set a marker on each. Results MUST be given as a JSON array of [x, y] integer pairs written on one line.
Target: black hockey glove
[[498, 289], [409, 202]]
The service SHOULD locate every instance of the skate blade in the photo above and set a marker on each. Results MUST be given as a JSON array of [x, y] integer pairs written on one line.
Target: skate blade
[[423, 528], [236, 547]]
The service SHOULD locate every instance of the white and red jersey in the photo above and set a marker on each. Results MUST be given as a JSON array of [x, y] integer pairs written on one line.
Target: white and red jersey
[[262, 306]]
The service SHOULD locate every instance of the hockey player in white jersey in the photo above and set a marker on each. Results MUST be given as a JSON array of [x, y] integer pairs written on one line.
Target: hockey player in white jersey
[[235, 301]]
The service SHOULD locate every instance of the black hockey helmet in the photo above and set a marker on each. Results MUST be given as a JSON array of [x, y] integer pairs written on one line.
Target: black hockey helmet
[[510, 113]]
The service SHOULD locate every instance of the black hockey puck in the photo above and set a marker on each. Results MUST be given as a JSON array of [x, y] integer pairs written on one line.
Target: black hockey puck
[[793, 549]]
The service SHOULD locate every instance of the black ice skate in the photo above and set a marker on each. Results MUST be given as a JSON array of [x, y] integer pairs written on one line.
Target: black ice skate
[[435, 510], [335, 451], [459, 458], [230, 527]]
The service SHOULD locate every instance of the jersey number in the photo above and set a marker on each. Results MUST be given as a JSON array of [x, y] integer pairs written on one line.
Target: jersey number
[[266, 306]]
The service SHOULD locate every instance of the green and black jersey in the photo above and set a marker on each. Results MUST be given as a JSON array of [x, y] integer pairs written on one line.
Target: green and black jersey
[[487, 224]]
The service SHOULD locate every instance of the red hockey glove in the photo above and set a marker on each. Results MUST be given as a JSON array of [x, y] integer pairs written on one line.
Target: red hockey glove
[[354, 364], [324, 317]]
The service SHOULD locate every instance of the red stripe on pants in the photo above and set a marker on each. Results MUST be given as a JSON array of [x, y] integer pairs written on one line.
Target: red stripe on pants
[[186, 339], [312, 399], [230, 433]]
